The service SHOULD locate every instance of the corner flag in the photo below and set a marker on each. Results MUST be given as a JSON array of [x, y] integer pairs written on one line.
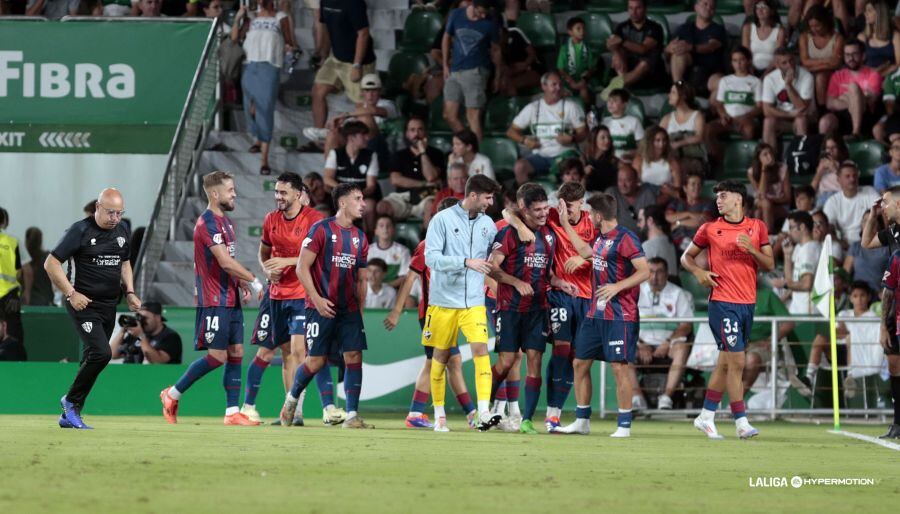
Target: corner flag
[[823, 298]]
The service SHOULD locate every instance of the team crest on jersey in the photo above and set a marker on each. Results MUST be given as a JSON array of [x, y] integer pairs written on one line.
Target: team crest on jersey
[[608, 242], [555, 326], [217, 238], [427, 334], [209, 337], [732, 340], [549, 239], [87, 326], [355, 241], [260, 334], [121, 241], [93, 241], [484, 232], [334, 238], [362, 169]]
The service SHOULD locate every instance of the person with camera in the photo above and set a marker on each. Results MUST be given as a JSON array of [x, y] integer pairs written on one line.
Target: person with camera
[[145, 337]]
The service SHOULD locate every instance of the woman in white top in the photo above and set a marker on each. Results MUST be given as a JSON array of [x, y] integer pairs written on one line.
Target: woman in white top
[[821, 48], [656, 163], [763, 35], [265, 37], [465, 150], [686, 126], [772, 186], [825, 182]]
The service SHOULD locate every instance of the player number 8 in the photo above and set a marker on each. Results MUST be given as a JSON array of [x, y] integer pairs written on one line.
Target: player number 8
[[730, 326], [264, 321], [312, 330]]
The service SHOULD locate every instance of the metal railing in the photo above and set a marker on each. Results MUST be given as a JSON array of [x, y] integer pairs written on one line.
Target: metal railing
[[773, 367], [197, 118]]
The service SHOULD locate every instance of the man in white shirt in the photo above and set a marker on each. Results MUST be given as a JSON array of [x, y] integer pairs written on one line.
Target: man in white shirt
[[395, 256], [787, 98], [654, 232], [737, 101], [379, 295], [555, 126], [801, 255], [845, 209], [662, 299]]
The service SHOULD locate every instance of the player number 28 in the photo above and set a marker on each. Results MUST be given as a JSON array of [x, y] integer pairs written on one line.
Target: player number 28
[[559, 314], [212, 323], [730, 326], [312, 330]]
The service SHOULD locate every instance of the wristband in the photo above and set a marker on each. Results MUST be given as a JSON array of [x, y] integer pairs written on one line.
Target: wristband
[[357, 66], [69, 296]]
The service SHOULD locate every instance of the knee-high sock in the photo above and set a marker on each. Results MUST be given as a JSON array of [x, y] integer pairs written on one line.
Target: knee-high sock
[[231, 379], [195, 371], [483, 379], [532, 394], [895, 392], [568, 378], [419, 399], [353, 385], [302, 378], [557, 388], [326, 386], [465, 402], [254, 377], [498, 378], [438, 383], [512, 390]]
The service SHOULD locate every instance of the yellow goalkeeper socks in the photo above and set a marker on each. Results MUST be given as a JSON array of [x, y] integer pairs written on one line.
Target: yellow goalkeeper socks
[[438, 383], [483, 378]]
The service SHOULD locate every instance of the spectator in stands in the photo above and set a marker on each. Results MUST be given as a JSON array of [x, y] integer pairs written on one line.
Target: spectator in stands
[[771, 185], [686, 215], [738, 103], [801, 255], [36, 286], [821, 48], [318, 195], [352, 54], [888, 175], [147, 8], [212, 9], [11, 349], [825, 181], [519, 64], [602, 164], [822, 227], [888, 128], [804, 201], [320, 36], [656, 163], [860, 300], [867, 265], [631, 196], [555, 126], [787, 98], [762, 35], [379, 295], [475, 41], [543, 6], [660, 298], [654, 231], [457, 175], [51, 9], [697, 51], [395, 256], [881, 40], [571, 170], [465, 150], [846, 209], [110, 8], [10, 272], [149, 339], [415, 173], [265, 38], [636, 46], [575, 61], [686, 125], [355, 163], [852, 96], [89, 208], [625, 129]]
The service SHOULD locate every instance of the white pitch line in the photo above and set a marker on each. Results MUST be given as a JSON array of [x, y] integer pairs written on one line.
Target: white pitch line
[[868, 439]]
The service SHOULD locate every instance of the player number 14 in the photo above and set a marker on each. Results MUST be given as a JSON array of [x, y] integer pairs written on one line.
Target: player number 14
[[212, 323]]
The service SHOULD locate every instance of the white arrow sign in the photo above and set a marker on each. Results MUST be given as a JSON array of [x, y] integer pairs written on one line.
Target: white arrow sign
[[64, 139]]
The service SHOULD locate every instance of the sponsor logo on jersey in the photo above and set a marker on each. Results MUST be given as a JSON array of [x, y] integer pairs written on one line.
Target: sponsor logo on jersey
[[343, 260]]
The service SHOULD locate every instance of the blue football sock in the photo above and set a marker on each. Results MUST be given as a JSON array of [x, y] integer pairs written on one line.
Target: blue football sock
[[583, 412], [624, 419], [195, 371], [532, 394], [231, 379], [302, 378], [254, 377], [325, 385], [353, 385]]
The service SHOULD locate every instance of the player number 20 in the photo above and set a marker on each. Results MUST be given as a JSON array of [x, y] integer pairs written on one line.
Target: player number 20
[[559, 314], [312, 330], [730, 326], [212, 323]]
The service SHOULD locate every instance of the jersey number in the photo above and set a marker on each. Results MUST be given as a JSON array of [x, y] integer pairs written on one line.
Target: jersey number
[[730, 326], [498, 323], [212, 323], [312, 330], [264, 321], [559, 314]]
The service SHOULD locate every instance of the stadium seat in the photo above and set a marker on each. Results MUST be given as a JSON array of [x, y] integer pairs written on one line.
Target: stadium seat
[[700, 293], [539, 28], [738, 157], [635, 108], [502, 152], [442, 143], [420, 29], [607, 6], [408, 233], [437, 125], [598, 28], [868, 155], [500, 112], [402, 65], [664, 7], [707, 190], [728, 7]]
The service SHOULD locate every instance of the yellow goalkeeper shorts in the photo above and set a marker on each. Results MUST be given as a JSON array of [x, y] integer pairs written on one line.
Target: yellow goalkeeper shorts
[[442, 325]]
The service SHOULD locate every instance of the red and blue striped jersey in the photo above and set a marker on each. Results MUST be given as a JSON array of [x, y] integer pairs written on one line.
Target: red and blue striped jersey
[[530, 263], [340, 253], [213, 286], [613, 253], [891, 281], [417, 264]]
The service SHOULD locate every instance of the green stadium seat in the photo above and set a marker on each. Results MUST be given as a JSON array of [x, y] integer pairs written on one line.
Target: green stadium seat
[[663, 7], [728, 7], [868, 155], [700, 293], [738, 157], [442, 143], [500, 112], [635, 108], [409, 233], [402, 65], [598, 28], [607, 6], [707, 190], [502, 152], [420, 29], [659, 18], [540, 29], [436, 122]]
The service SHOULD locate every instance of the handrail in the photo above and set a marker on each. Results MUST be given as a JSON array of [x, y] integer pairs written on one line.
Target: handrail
[[178, 165]]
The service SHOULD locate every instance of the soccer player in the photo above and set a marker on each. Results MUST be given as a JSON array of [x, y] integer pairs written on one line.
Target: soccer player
[[220, 322], [610, 331], [738, 247], [456, 248], [332, 269], [568, 307], [419, 271], [890, 307], [523, 274]]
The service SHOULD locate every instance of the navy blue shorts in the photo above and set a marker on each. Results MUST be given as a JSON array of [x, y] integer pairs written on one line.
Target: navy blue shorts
[[521, 331], [607, 340], [262, 329], [288, 319], [730, 324], [567, 313], [490, 306], [218, 327], [429, 350], [342, 333]]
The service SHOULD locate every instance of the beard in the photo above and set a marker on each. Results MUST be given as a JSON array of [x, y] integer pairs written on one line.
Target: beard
[[227, 206]]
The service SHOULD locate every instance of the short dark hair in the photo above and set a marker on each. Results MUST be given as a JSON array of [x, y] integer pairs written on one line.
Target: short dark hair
[[343, 190], [90, 207], [377, 262], [530, 193], [848, 165], [481, 3], [659, 260], [605, 204], [415, 118], [801, 218], [859, 284], [216, 178], [658, 214], [784, 51], [731, 186], [621, 94], [743, 50], [805, 189], [292, 179], [380, 216], [314, 175], [823, 15], [352, 128], [446, 203], [575, 20], [572, 163], [468, 138], [481, 184], [571, 192], [855, 42]]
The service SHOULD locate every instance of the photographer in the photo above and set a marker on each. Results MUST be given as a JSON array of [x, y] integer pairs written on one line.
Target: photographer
[[146, 336]]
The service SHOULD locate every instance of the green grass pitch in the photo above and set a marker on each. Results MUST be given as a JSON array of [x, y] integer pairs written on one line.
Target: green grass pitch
[[143, 465]]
